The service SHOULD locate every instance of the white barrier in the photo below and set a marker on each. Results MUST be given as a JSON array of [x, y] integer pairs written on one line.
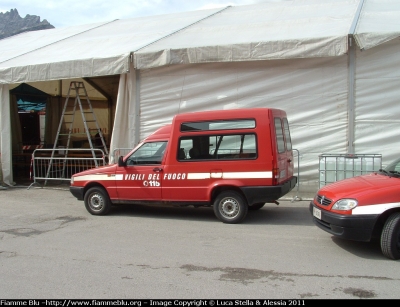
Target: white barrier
[[45, 167]]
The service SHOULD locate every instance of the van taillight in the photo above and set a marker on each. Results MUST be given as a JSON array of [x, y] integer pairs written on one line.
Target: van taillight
[[275, 175]]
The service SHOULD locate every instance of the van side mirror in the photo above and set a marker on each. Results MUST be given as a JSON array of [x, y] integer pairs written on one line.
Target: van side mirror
[[121, 161]]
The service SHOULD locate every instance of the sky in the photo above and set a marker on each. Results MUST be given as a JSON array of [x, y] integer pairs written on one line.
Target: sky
[[64, 13]]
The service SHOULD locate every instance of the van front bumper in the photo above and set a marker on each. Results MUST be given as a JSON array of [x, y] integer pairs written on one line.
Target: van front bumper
[[264, 194], [77, 192]]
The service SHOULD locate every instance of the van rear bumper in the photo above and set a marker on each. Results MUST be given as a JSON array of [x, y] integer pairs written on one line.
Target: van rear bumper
[[265, 194]]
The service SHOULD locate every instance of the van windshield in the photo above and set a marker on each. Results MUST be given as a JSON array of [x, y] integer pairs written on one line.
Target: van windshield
[[148, 153]]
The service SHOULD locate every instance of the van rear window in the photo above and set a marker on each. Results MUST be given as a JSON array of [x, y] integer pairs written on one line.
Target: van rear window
[[280, 141], [219, 125], [287, 134]]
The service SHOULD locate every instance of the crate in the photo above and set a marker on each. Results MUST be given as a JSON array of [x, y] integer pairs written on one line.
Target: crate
[[334, 167]]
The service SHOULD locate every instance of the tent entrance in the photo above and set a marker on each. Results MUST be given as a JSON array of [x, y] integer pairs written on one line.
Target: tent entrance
[[28, 133]]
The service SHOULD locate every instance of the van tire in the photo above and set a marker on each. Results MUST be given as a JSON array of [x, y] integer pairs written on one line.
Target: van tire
[[390, 237], [257, 206], [230, 207], [97, 201]]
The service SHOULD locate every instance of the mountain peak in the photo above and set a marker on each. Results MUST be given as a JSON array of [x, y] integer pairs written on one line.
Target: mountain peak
[[11, 23]]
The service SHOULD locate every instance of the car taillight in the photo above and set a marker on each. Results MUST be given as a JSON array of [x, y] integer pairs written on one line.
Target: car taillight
[[275, 175]]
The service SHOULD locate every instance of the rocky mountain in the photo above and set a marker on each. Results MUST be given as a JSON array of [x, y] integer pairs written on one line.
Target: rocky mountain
[[11, 23]]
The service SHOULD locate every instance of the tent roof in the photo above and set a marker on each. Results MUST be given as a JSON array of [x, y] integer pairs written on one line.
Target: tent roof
[[263, 31], [379, 22], [267, 30]]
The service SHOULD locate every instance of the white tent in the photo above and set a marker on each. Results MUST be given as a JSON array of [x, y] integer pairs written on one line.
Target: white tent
[[332, 65]]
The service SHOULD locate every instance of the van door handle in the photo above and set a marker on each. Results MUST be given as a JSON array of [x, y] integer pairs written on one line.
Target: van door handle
[[157, 169], [289, 160]]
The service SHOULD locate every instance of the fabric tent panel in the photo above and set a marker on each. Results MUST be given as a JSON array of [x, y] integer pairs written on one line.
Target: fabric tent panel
[[124, 128], [378, 100], [267, 30], [307, 140], [377, 124], [65, 70], [5, 135], [317, 109], [286, 49], [286, 29], [378, 63], [382, 138], [291, 20], [95, 52], [377, 83], [379, 22], [311, 78], [27, 42]]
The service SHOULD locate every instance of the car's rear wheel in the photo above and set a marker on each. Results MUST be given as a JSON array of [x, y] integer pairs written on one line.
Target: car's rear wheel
[[230, 207], [97, 201], [390, 237]]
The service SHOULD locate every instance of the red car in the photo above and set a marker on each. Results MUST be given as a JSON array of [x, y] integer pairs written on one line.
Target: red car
[[363, 208]]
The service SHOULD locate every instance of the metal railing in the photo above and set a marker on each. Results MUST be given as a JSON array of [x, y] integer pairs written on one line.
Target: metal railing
[[297, 197], [335, 167], [61, 167]]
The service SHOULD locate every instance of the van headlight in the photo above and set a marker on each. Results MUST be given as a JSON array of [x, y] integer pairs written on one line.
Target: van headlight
[[345, 204]]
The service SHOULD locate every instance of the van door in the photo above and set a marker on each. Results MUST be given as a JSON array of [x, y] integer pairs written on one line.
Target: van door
[[284, 148], [141, 178], [289, 149]]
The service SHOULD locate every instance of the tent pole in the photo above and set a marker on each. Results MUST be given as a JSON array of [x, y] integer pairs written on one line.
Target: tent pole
[[137, 107], [351, 103], [351, 79]]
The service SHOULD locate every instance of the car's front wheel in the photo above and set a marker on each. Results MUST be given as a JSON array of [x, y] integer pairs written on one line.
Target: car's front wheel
[[390, 237], [230, 207], [97, 201]]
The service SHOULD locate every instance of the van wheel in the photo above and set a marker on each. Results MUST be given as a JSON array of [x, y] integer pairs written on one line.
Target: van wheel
[[256, 206], [97, 201], [230, 207], [390, 237]]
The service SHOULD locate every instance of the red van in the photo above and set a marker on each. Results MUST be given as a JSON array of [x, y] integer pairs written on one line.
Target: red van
[[233, 160]]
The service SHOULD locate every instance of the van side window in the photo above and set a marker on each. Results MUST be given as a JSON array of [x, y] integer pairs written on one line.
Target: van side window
[[287, 134], [219, 147], [148, 153], [226, 124], [280, 141]]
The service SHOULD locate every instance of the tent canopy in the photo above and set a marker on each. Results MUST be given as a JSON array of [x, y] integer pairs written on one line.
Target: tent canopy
[[268, 30]]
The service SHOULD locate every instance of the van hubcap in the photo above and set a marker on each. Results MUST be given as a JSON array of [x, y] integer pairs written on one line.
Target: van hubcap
[[229, 207], [96, 202]]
